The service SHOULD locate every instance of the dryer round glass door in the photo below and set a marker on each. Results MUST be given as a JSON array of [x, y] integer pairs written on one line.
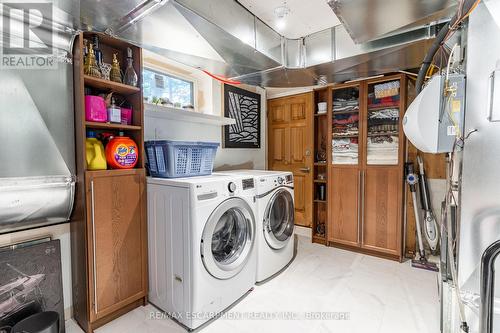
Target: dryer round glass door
[[279, 219], [228, 238]]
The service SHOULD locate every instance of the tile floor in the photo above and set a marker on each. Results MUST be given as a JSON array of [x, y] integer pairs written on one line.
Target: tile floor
[[377, 295]]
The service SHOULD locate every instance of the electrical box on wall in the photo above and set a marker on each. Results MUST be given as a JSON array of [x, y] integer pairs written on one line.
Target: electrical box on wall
[[435, 118]]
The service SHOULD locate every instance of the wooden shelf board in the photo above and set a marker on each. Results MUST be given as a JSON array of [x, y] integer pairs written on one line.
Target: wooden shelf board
[[345, 136], [111, 126], [111, 172], [319, 163], [378, 108], [320, 181], [108, 85], [384, 134], [320, 201], [345, 112], [320, 114]]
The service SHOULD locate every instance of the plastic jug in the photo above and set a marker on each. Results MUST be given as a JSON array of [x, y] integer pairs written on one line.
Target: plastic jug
[[122, 152], [95, 156]]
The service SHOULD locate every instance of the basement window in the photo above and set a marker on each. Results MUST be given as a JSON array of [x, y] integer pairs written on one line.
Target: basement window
[[167, 89]]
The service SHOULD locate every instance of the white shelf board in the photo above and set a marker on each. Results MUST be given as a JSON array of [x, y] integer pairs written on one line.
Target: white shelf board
[[167, 112]]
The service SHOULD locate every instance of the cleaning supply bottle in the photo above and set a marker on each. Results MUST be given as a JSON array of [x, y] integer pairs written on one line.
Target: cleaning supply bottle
[[121, 152], [95, 157]]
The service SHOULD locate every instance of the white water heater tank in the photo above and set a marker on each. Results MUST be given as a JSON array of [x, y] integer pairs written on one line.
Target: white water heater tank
[[432, 120]]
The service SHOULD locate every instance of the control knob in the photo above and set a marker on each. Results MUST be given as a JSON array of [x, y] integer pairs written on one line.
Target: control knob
[[231, 187]]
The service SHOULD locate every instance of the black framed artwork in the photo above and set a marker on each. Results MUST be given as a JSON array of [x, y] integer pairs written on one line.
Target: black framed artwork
[[244, 107]]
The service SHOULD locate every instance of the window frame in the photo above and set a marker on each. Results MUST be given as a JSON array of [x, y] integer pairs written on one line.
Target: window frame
[[178, 76]]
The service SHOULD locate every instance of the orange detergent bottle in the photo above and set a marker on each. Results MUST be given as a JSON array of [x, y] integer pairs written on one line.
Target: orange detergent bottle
[[121, 152]]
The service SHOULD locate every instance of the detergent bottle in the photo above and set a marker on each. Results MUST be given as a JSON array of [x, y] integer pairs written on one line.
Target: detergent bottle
[[95, 157], [121, 152]]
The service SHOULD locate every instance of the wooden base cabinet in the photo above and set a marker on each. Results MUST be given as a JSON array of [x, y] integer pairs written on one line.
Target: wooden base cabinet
[[117, 233], [382, 210], [345, 206]]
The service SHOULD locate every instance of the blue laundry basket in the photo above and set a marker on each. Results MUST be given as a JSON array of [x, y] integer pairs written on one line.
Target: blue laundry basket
[[175, 159]]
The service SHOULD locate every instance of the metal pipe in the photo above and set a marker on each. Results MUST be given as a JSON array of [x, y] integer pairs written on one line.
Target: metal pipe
[[487, 287]]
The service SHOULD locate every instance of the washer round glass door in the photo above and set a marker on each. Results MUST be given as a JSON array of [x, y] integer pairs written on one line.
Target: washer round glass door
[[279, 219], [228, 238]]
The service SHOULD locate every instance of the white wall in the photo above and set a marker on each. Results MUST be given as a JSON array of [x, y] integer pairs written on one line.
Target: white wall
[[209, 100], [61, 232]]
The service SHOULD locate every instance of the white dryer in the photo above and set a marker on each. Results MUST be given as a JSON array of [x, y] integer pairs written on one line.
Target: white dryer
[[201, 245], [274, 220]]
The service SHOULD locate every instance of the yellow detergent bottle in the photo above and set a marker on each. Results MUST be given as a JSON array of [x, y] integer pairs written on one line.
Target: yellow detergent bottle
[[95, 156]]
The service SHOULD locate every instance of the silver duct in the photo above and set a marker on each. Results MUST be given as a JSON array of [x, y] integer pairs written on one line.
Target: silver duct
[[37, 127], [367, 20], [250, 51]]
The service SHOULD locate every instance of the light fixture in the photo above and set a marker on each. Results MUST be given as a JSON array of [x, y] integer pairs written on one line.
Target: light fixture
[[281, 13]]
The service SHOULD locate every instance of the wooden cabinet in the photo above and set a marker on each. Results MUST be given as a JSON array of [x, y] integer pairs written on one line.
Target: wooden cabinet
[[365, 165], [382, 210], [117, 233], [345, 206], [290, 147], [108, 224]]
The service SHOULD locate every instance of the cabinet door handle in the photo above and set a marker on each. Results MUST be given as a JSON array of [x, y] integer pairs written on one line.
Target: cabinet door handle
[[306, 170], [94, 265], [362, 206], [359, 208]]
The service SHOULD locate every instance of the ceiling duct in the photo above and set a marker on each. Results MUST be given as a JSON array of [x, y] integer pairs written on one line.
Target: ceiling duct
[[367, 20], [224, 38]]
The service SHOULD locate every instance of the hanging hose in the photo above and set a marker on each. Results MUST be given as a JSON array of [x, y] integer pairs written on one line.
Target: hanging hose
[[465, 9]]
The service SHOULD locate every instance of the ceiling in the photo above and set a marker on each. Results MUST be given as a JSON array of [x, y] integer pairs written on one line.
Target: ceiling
[[305, 17]]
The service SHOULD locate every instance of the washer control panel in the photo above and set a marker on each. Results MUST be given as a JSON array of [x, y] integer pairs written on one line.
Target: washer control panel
[[287, 180]]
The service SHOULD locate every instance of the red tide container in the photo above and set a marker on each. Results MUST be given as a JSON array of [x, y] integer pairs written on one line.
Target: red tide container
[[122, 152]]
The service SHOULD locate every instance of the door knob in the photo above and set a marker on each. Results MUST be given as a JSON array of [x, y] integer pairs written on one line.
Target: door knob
[[306, 170]]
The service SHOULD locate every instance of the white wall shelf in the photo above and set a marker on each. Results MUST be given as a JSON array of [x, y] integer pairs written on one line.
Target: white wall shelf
[[167, 112]]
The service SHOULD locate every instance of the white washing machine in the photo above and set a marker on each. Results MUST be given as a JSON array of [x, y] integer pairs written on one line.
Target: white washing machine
[[201, 245], [274, 220]]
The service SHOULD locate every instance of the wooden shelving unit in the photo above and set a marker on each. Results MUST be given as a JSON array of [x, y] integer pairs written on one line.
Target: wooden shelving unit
[[108, 229], [364, 198], [322, 141]]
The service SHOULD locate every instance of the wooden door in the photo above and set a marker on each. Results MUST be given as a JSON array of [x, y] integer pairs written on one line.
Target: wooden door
[[343, 226], [117, 239], [290, 123], [382, 209]]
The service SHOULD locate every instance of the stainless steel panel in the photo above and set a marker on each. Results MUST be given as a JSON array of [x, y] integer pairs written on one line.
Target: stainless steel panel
[[268, 41], [236, 52], [230, 16], [366, 20], [294, 53], [100, 15], [34, 201], [319, 47], [480, 204], [37, 135]]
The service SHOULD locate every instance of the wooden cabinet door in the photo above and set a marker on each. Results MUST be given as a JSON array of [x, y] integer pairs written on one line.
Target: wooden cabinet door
[[344, 222], [290, 148], [382, 210], [117, 239]]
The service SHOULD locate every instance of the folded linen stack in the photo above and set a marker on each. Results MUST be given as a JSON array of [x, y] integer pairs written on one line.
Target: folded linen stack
[[382, 150], [383, 121], [386, 89], [345, 151], [345, 105], [385, 102], [345, 124]]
